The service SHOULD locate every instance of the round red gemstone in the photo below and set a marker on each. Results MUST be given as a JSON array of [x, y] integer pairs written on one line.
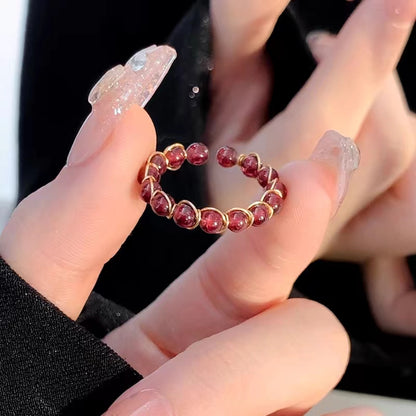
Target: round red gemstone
[[197, 154], [160, 204], [212, 221], [176, 156], [274, 200], [160, 161], [227, 156], [185, 215], [238, 220], [148, 187], [260, 212], [250, 166], [154, 172], [267, 175], [278, 186]]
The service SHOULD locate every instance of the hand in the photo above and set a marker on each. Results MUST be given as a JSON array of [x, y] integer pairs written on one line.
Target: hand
[[223, 338], [344, 93], [59, 237], [366, 235]]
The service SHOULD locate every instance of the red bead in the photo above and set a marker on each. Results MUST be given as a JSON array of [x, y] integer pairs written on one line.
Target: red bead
[[197, 154], [148, 187], [250, 166], [227, 156], [212, 221], [154, 172], [274, 200], [160, 204], [176, 155], [160, 161], [238, 220], [185, 215], [261, 213], [266, 175], [278, 186]]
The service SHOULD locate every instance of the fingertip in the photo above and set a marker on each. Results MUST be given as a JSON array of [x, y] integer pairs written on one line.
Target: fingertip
[[320, 43], [138, 124]]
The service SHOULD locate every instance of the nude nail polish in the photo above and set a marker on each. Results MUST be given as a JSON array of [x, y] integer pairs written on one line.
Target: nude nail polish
[[113, 95], [340, 153]]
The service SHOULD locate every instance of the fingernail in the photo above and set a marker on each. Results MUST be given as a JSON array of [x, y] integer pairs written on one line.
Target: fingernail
[[113, 95], [319, 42], [147, 402], [402, 12], [340, 153]]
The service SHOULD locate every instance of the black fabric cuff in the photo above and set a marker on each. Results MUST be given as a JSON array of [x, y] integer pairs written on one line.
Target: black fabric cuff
[[50, 364]]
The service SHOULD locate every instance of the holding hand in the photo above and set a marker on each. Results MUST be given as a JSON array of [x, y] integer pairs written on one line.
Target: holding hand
[[237, 346], [355, 90]]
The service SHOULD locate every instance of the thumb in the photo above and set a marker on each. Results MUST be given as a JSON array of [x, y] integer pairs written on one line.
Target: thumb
[[59, 237]]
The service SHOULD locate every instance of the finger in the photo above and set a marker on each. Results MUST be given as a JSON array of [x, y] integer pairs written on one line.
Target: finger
[[386, 142], [241, 275], [341, 91], [241, 80], [241, 28], [303, 353], [392, 295], [371, 232], [59, 238]]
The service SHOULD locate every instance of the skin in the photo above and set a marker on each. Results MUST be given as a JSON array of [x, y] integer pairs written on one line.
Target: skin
[[212, 347], [359, 94]]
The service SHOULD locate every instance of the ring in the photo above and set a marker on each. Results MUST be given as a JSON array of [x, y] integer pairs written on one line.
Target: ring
[[211, 220]]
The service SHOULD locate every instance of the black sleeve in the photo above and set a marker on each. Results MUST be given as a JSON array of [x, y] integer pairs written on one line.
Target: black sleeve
[[51, 365]]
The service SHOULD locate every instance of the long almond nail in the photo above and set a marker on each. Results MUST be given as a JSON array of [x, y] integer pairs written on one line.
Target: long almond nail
[[340, 153], [113, 95]]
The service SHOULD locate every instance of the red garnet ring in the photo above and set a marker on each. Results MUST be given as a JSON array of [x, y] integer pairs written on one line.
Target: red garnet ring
[[211, 220]]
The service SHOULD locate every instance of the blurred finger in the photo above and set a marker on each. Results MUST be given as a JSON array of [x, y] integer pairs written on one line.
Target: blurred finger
[[391, 293], [387, 141], [341, 91], [304, 351], [382, 229], [241, 28]]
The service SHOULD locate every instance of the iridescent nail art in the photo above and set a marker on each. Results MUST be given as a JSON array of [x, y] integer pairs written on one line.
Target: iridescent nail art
[[116, 91], [137, 80]]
